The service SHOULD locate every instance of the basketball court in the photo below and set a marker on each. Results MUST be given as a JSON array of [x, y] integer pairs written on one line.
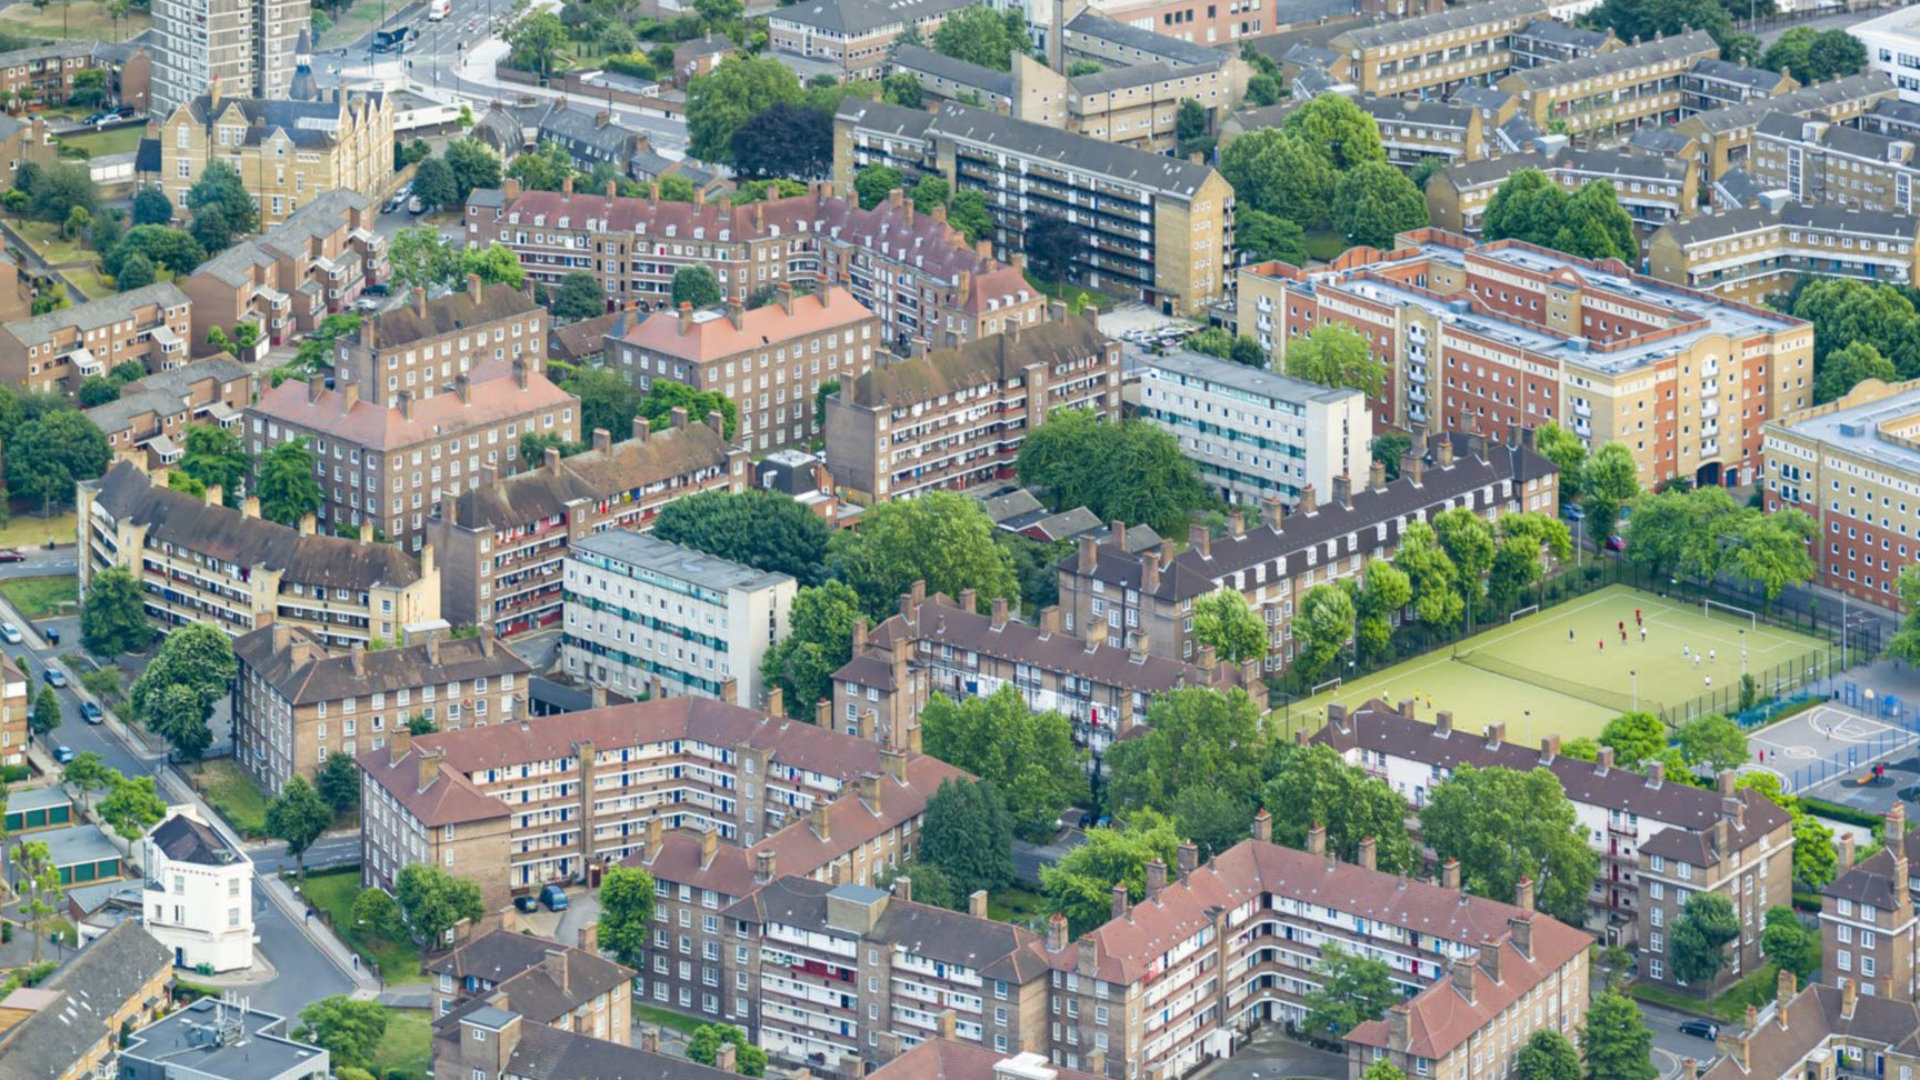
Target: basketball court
[[1829, 742]]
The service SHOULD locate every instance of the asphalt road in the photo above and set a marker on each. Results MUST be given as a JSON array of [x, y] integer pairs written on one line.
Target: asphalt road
[[1670, 1048]]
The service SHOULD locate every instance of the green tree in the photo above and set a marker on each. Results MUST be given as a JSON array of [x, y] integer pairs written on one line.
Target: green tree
[[1815, 863], [626, 912], [136, 272], [60, 187], [1223, 620], [1847, 367], [1699, 937], [1323, 627], [1609, 481], [375, 910], [48, 455], [767, 530], [819, 640], [1079, 885], [721, 101], [179, 715], [1191, 125], [902, 89], [46, 711], [434, 184], [1052, 245], [350, 1031], [1196, 736], [1789, 944], [298, 816], [215, 455], [1467, 538], [1213, 819], [151, 207], [1526, 541], [495, 264], [37, 883], [1334, 355], [1567, 452], [1635, 737], [87, 773], [1342, 133], [1774, 551], [1029, 756], [1905, 643], [547, 167], [968, 213], [1504, 825], [941, 538], [1390, 448], [1548, 1056], [696, 285], [930, 884], [536, 41], [704, 1047], [1431, 577], [982, 35], [435, 901], [113, 616], [174, 249], [1310, 785], [579, 297], [132, 806], [1384, 591], [97, 390], [1263, 237], [665, 395], [421, 258], [874, 183], [1713, 741], [1131, 471], [338, 783], [930, 193], [607, 400], [287, 488], [474, 165], [1275, 173], [1353, 989], [1375, 201], [1616, 1041], [967, 832]]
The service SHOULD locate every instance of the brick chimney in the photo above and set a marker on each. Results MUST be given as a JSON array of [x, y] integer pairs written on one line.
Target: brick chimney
[[1603, 760], [1450, 874], [1523, 893], [1056, 933], [1317, 839], [1200, 540], [1272, 512], [1120, 901], [1377, 477], [642, 428], [1189, 856], [1463, 972], [1156, 877], [1521, 929], [686, 318], [473, 287], [1309, 502]]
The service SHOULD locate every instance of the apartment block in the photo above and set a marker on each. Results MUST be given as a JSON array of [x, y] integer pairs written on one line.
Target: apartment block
[[147, 423], [416, 395], [1719, 84], [1822, 1031], [914, 271], [943, 78], [1754, 254], [1655, 189], [1135, 105], [16, 706], [1255, 433], [938, 644], [1550, 41], [1868, 933], [295, 705], [1215, 952], [846, 976], [853, 36], [1607, 96], [502, 543], [485, 1039], [1433, 55], [222, 1038], [54, 352], [800, 341], [71, 1027], [311, 265], [1726, 133], [1154, 228], [1621, 807], [44, 73], [1411, 129], [199, 562], [647, 616], [291, 152], [1893, 49], [1744, 857], [1503, 336], [565, 987], [957, 417], [246, 46], [1274, 562], [1826, 164], [950, 1059], [514, 806], [1852, 466]]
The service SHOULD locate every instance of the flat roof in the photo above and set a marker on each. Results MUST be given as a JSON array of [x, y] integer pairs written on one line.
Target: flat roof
[[39, 798], [217, 1039], [1856, 429], [677, 561], [1250, 380], [78, 844], [1901, 22]]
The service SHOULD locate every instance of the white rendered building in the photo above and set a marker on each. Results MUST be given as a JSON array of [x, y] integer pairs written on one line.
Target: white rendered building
[[199, 896], [643, 614], [1893, 46], [1255, 433]]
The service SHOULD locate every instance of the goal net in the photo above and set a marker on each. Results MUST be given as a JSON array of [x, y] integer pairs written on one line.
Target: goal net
[[1530, 609], [1321, 688], [1738, 614]]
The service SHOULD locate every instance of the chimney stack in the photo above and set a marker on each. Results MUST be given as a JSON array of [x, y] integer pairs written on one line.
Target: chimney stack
[[1317, 839], [1156, 877]]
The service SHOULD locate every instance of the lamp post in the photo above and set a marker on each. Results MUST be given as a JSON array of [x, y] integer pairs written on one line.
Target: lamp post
[[1743, 652], [1635, 676]]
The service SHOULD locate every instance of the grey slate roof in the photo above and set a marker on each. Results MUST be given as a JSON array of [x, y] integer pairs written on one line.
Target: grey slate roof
[[1555, 32], [1658, 140], [1109, 79], [1803, 101], [320, 218], [1582, 68], [1875, 223], [1393, 110], [1453, 18], [183, 839], [1737, 187], [1127, 36], [306, 123], [1158, 172], [878, 116], [547, 1053], [855, 17], [939, 65], [1295, 12], [95, 314], [102, 979], [1723, 71], [297, 665], [163, 393]]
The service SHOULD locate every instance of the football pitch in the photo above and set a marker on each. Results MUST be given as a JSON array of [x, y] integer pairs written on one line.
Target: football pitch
[[1565, 670]]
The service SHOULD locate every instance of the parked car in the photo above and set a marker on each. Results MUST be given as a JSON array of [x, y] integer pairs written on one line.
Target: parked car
[[10, 634], [554, 897], [90, 712], [1701, 1029], [415, 206], [526, 904], [52, 634], [123, 112], [377, 288], [1572, 512], [8, 555], [55, 677], [97, 117], [1615, 543], [367, 304], [63, 755]]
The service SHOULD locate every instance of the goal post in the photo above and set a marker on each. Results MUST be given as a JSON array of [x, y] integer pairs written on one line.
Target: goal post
[[1530, 609], [1330, 684], [1746, 615]]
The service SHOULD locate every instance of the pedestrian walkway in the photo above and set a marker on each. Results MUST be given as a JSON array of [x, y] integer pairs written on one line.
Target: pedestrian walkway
[[283, 897]]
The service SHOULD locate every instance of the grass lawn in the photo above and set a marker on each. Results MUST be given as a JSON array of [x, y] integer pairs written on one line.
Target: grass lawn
[[45, 238], [407, 1044], [232, 794], [102, 143], [350, 25], [334, 892], [88, 280], [1015, 905], [667, 1018], [1757, 989], [40, 597], [79, 19], [1530, 675], [31, 530], [1325, 244]]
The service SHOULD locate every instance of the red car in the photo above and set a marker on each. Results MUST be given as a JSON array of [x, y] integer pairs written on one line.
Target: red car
[[8, 555], [1614, 543]]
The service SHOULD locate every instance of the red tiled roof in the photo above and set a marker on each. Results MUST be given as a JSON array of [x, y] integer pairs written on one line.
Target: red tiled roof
[[712, 338], [495, 396]]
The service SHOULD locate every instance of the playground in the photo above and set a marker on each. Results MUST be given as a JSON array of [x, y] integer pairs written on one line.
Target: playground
[[1567, 670]]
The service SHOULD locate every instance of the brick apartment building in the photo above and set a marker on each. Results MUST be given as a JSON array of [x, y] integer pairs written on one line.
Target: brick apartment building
[[1655, 189], [199, 562], [1622, 807], [1826, 164], [565, 987], [1608, 96], [52, 353], [502, 543], [1725, 134], [1851, 464], [44, 73], [1503, 336], [1274, 562], [955, 418], [425, 397], [1754, 254], [1433, 55], [787, 348], [1823, 1032], [1745, 855], [943, 645], [309, 266], [853, 36], [147, 423], [294, 705], [1868, 933], [514, 806], [290, 152], [16, 706]]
